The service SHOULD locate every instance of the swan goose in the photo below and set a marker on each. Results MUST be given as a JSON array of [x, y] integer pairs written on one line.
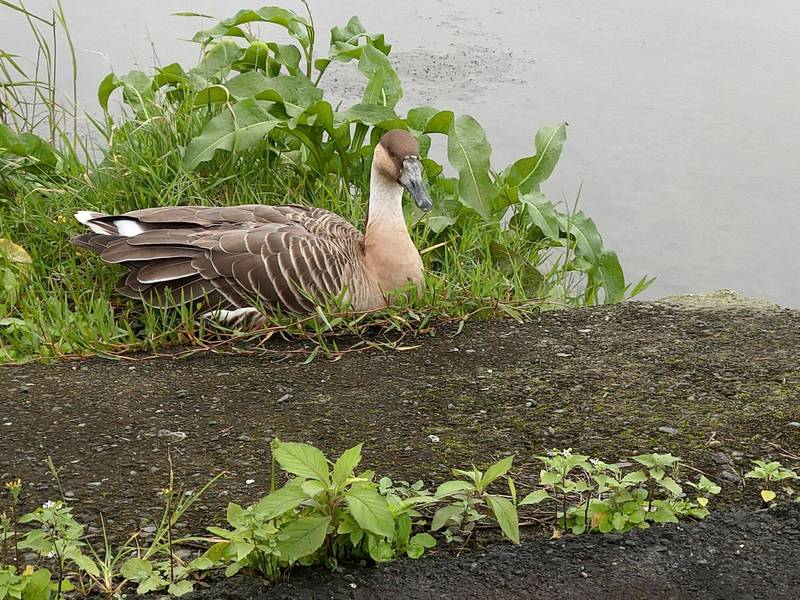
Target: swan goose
[[235, 259]]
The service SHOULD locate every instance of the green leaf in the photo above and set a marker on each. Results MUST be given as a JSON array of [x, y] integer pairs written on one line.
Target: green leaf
[[449, 488], [370, 510], [543, 214], [374, 63], [469, 152], [549, 477], [419, 543], [136, 569], [669, 484], [506, 515], [535, 497], [280, 501], [496, 470], [611, 277], [302, 537], [451, 512], [302, 460], [37, 586], [369, 114], [619, 521], [180, 588], [528, 173], [14, 252], [296, 26], [238, 128], [218, 60], [345, 465]]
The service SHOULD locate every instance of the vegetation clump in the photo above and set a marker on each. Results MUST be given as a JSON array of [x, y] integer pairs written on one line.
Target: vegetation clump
[[250, 122], [331, 513]]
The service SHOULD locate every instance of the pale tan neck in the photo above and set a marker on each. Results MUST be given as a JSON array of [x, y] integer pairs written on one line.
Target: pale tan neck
[[390, 254]]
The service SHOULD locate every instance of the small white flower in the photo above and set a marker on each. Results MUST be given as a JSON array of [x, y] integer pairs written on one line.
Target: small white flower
[[595, 461], [50, 554], [566, 453], [48, 504]]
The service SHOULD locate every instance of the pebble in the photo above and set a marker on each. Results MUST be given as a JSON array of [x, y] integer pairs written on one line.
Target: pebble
[[175, 436], [434, 438], [584, 574], [284, 398], [794, 423], [669, 430], [451, 406], [95, 483], [731, 476]]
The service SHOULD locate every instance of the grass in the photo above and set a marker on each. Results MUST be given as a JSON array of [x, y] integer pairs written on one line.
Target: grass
[[62, 303]]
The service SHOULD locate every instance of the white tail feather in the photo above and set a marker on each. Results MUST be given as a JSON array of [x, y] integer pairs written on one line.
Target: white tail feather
[[128, 228]]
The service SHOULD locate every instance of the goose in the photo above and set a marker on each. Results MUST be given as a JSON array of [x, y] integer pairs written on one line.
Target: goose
[[238, 260]]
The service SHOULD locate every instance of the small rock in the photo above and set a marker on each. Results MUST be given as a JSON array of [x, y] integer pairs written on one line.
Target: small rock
[[451, 406], [150, 529], [95, 483], [584, 574], [794, 423], [528, 404], [731, 476], [174, 436], [434, 438], [284, 398], [714, 444], [249, 481], [244, 438], [669, 430]]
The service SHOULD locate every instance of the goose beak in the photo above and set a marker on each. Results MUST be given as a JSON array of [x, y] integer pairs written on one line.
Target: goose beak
[[411, 179]]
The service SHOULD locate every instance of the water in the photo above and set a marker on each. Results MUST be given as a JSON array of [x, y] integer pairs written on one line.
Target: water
[[684, 116]]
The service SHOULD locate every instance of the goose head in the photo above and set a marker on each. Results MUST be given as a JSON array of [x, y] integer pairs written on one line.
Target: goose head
[[397, 159]]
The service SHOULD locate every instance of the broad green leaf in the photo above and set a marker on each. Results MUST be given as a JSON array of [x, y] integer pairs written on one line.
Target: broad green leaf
[[373, 62], [448, 488], [302, 537], [611, 276], [345, 465], [296, 26], [672, 486], [288, 55], [768, 495], [73, 553], [426, 540], [218, 60], [506, 515], [236, 128], [528, 173], [302, 460], [634, 477], [370, 510], [137, 88], [619, 521], [37, 586], [369, 114], [451, 512], [469, 152], [236, 515], [381, 551], [587, 239], [180, 588], [543, 214], [535, 497], [280, 501], [549, 478], [496, 470], [136, 569]]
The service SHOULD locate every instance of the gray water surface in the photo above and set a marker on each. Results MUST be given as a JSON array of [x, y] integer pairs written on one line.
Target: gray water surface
[[684, 116]]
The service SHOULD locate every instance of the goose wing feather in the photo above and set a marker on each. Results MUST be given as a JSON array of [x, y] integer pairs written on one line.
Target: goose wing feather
[[234, 257]]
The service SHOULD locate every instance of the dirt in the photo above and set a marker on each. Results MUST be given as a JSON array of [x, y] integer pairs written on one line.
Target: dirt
[[716, 387]]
